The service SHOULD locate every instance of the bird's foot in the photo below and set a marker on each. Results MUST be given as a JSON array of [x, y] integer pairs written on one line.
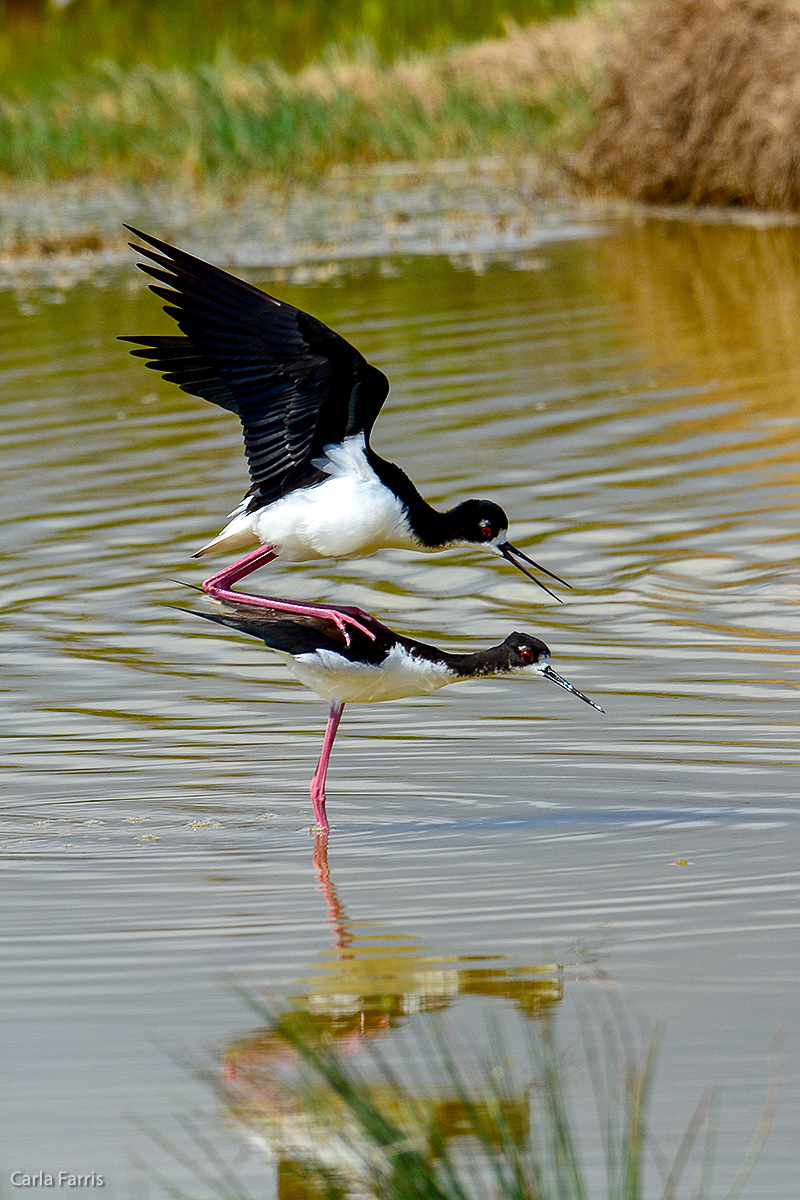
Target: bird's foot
[[344, 618], [349, 616]]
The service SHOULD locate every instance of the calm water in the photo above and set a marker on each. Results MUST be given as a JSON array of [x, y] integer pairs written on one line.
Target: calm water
[[633, 400]]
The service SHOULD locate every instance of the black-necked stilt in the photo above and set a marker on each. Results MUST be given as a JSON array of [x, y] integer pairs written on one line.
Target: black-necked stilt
[[307, 401], [373, 663]]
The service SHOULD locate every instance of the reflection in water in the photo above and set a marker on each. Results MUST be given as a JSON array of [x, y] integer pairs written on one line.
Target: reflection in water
[[371, 981], [444, 1122], [721, 302], [696, 501], [383, 978]]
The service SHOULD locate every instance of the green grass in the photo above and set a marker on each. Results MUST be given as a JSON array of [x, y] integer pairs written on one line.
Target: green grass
[[230, 120], [507, 1133], [57, 43], [158, 110]]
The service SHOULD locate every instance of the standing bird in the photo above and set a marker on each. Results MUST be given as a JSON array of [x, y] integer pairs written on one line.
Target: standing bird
[[307, 401], [372, 663]]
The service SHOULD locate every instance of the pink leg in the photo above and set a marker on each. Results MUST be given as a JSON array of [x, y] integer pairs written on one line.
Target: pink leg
[[219, 584], [318, 782], [219, 587]]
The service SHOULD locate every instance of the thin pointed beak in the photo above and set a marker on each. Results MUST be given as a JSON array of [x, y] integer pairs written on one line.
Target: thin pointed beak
[[511, 554], [549, 673]]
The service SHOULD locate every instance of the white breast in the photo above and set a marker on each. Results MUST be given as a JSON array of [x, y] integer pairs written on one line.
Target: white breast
[[331, 676], [350, 513]]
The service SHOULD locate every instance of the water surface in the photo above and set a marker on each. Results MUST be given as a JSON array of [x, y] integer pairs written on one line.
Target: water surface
[[633, 401]]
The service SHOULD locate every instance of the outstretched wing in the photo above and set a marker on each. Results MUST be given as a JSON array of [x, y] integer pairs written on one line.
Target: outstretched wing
[[295, 385]]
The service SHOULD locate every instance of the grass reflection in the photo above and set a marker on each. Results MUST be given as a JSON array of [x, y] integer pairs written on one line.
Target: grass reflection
[[498, 1127], [371, 982], [716, 306], [341, 1116]]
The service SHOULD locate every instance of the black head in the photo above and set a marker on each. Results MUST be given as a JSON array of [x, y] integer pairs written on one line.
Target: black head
[[524, 652], [479, 521], [485, 523]]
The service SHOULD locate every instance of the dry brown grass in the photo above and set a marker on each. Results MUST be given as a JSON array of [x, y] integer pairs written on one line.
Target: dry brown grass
[[702, 105], [539, 58], [530, 62]]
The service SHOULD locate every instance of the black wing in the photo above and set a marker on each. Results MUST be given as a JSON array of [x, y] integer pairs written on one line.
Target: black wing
[[295, 385], [297, 633]]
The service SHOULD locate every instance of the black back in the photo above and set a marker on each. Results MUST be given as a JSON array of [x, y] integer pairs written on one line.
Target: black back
[[296, 633], [295, 385]]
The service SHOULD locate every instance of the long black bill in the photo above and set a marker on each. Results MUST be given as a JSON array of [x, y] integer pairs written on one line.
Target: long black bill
[[511, 553], [549, 673]]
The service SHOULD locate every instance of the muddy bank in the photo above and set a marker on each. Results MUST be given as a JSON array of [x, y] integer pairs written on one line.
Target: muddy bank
[[473, 213], [476, 210]]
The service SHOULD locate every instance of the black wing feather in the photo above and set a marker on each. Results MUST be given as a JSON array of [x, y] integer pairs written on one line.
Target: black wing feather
[[295, 385], [296, 633], [179, 362]]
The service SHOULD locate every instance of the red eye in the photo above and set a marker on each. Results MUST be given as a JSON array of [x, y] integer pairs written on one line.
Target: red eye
[[525, 655], [486, 529]]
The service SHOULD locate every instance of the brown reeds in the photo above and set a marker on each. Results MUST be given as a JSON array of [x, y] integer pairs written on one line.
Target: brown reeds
[[702, 105]]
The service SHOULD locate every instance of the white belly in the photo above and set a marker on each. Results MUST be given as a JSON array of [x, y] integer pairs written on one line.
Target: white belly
[[342, 517], [349, 514], [334, 678]]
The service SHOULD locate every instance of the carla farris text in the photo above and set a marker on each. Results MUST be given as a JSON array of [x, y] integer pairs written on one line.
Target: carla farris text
[[64, 1179]]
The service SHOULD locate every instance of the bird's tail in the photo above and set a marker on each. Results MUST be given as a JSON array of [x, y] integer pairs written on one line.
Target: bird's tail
[[271, 626], [230, 538]]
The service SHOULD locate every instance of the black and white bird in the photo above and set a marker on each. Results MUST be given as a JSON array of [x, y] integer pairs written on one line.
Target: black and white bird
[[307, 401], [373, 664]]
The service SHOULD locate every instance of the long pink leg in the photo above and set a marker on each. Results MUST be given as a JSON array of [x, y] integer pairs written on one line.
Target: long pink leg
[[318, 782], [219, 587], [219, 584]]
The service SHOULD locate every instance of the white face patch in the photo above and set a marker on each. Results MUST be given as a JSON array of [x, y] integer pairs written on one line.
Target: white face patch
[[537, 667]]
